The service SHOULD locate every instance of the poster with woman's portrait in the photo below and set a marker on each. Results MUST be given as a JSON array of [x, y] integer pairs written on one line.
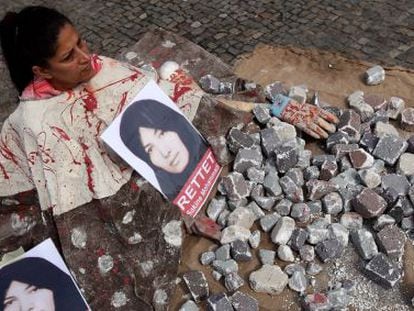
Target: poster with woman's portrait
[[155, 139], [39, 280]]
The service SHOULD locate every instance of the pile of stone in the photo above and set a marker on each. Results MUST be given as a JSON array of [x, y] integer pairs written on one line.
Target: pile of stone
[[361, 190]]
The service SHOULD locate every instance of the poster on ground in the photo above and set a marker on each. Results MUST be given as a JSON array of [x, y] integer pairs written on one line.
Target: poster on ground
[[156, 140]]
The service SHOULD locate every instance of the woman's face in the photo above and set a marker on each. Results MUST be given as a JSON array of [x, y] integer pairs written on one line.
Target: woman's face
[[22, 296], [71, 63], [166, 150]]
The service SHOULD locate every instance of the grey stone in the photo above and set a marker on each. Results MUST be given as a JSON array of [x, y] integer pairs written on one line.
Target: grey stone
[[300, 212], [240, 251], [375, 75], [336, 138], [398, 183], [189, 306], [241, 216], [317, 233], [296, 175], [291, 190], [267, 222], [316, 189], [219, 302], [332, 203], [298, 238], [262, 113], [311, 172], [369, 204], [304, 158], [351, 220], [225, 266], [270, 141], [247, 158], [383, 221], [236, 140], [405, 164], [350, 123], [255, 174], [283, 207], [328, 170], [283, 230], [364, 242], [275, 88], [267, 256], [254, 239], [406, 205], [233, 233], [221, 152], [344, 164], [339, 298], [407, 223], [216, 206], [223, 217], [389, 148], [268, 279], [316, 302], [307, 253], [342, 150], [315, 207], [233, 281], [313, 269], [391, 240], [298, 93], [286, 158], [197, 285], [271, 184], [223, 252], [339, 232], [207, 258], [347, 179], [361, 159], [258, 190], [256, 210], [216, 275], [370, 178], [407, 119], [382, 129], [410, 143], [395, 106], [285, 132], [292, 268], [298, 282], [383, 271], [368, 141], [357, 101], [266, 202], [243, 302], [235, 186], [328, 250], [318, 160], [284, 253]]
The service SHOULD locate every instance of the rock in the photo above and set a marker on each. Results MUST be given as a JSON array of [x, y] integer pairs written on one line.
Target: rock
[[313, 269], [407, 119], [405, 164], [317, 231], [233, 233], [352, 221], [410, 143], [216, 206], [383, 221], [318, 160], [397, 183], [370, 178], [377, 102], [262, 113], [382, 129], [223, 252], [267, 222], [293, 267], [271, 184], [328, 170], [389, 148], [273, 89], [307, 253], [266, 202], [222, 218], [332, 203], [282, 231], [336, 138], [315, 207], [395, 107], [283, 207], [235, 186], [285, 132], [285, 253], [364, 242], [225, 266], [256, 175], [286, 158], [244, 302], [369, 204], [241, 216], [256, 210], [189, 306], [368, 141], [298, 282], [270, 141], [298, 93], [338, 298], [311, 172], [233, 281], [328, 249], [342, 150], [197, 285], [375, 75], [292, 191], [316, 189], [247, 158], [221, 152], [357, 101], [216, 275], [361, 159], [383, 271], [207, 258], [304, 159], [391, 241], [240, 251], [236, 140], [296, 175], [254, 239], [350, 123], [210, 84], [300, 212], [268, 279], [267, 257], [298, 238], [316, 302], [339, 232], [219, 302]]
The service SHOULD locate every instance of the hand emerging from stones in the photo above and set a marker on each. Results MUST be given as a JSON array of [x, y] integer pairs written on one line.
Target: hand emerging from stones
[[312, 120]]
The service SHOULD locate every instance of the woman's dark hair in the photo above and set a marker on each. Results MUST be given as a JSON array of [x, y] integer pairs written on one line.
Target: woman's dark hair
[[42, 274], [29, 38], [153, 114]]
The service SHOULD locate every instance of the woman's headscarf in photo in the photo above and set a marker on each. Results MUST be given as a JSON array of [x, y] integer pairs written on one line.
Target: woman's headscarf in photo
[[153, 114], [43, 274]]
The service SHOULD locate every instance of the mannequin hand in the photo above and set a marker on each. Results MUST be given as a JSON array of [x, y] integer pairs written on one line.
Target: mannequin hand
[[312, 120]]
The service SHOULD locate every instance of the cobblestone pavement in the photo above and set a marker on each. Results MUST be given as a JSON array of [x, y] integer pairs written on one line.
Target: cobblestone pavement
[[377, 30]]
